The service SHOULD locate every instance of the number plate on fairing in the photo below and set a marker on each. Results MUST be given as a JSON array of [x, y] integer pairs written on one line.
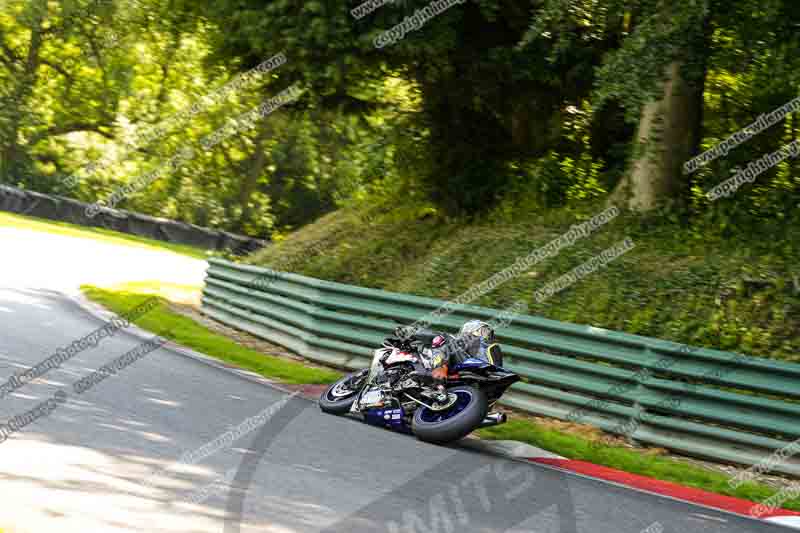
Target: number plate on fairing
[[387, 418]]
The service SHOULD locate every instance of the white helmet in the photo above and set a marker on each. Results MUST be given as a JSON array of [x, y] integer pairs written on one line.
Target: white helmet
[[477, 328]]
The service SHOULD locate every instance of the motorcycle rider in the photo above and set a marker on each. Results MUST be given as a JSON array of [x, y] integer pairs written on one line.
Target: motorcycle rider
[[475, 340], [439, 352]]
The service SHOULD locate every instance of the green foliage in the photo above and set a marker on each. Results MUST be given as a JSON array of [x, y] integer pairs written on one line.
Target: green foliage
[[85, 99], [491, 107], [571, 176], [663, 33], [705, 288], [485, 100]]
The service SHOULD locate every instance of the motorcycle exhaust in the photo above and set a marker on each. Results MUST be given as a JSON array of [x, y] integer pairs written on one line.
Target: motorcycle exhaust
[[493, 419]]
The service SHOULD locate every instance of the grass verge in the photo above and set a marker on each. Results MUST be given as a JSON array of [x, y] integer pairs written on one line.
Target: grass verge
[[173, 292], [97, 234], [575, 447], [186, 332]]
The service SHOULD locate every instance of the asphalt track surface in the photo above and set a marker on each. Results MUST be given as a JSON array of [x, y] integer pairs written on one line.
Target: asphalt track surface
[[109, 459]]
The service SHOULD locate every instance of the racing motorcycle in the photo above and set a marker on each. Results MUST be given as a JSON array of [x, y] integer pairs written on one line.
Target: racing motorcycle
[[411, 388]]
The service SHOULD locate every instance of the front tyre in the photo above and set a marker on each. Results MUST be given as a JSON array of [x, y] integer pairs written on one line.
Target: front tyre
[[339, 397], [455, 422]]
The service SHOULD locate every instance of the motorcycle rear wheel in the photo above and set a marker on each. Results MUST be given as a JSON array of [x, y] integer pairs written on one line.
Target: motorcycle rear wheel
[[454, 423]]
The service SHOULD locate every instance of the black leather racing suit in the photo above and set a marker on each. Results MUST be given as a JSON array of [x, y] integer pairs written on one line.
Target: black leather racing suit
[[457, 349]]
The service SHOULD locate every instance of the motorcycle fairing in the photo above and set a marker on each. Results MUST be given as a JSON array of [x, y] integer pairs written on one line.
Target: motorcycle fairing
[[398, 356], [374, 371], [472, 363], [388, 418]]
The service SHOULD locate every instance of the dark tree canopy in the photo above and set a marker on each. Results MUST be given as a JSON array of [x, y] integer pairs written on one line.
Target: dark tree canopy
[[489, 101]]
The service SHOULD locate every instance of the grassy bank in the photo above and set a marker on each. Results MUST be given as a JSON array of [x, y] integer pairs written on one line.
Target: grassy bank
[[703, 284], [186, 332]]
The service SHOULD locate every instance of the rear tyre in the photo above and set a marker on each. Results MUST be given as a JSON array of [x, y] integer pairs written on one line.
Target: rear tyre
[[339, 397], [454, 423]]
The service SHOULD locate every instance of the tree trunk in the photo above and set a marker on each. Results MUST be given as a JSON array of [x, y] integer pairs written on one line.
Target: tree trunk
[[668, 129], [255, 168]]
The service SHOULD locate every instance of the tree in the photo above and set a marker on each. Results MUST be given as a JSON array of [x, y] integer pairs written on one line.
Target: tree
[[46, 92], [485, 100]]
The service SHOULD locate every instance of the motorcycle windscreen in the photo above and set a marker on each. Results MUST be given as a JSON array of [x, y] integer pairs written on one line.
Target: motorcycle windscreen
[[377, 364]]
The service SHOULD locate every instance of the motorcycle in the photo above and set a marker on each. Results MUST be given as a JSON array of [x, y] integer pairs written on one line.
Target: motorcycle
[[397, 393]]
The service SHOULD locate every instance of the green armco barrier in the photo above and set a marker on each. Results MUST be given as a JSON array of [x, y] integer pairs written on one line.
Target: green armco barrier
[[706, 403]]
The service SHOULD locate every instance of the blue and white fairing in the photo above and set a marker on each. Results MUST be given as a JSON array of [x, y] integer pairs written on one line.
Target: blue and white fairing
[[391, 418], [375, 370], [472, 364]]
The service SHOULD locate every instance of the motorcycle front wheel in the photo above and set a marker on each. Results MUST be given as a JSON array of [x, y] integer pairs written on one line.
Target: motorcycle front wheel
[[339, 397], [466, 413]]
